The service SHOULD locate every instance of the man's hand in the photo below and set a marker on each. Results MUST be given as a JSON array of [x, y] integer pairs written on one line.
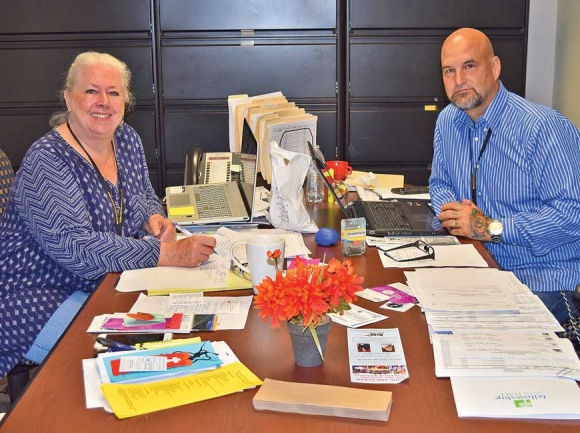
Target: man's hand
[[464, 219]]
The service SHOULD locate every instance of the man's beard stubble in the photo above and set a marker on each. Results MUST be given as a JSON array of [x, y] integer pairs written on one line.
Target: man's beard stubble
[[464, 102]]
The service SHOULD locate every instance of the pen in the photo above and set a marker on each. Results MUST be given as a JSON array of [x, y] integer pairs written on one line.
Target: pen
[[114, 346], [186, 232], [183, 230]]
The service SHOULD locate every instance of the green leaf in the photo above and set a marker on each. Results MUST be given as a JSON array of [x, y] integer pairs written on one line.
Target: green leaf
[[315, 336]]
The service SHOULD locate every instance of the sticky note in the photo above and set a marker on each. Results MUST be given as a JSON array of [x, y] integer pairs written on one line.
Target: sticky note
[[181, 211]]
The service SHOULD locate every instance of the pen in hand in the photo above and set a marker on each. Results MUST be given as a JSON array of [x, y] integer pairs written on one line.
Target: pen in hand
[[182, 230], [186, 232]]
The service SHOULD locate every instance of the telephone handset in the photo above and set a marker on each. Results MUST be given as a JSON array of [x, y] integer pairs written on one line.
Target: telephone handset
[[192, 164], [209, 167]]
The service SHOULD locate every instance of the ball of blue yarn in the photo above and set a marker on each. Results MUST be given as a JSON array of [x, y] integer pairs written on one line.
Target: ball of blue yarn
[[326, 237]]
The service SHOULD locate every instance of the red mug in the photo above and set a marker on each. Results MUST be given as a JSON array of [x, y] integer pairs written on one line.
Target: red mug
[[341, 169]]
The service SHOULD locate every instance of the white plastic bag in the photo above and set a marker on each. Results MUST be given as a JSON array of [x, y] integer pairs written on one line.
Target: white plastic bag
[[287, 208]]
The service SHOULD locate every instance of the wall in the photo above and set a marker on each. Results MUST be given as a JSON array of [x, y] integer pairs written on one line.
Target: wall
[[541, 51], [567, 65]]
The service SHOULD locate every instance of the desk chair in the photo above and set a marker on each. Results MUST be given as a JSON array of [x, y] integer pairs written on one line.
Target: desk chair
[[571, 326], [6, 178], [17, 377]]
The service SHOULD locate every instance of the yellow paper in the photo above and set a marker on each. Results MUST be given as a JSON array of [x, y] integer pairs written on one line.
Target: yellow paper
[[139, 399], [169, 343], [233, 282]]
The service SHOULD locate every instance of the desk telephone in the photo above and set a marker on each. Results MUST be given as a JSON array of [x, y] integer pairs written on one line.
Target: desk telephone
[[210, 167]]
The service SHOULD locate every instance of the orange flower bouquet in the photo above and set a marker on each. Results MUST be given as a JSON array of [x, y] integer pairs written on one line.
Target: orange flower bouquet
[[307, 293]]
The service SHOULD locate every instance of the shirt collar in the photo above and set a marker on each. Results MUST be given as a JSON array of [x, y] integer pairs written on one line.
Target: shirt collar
[[491, 117]]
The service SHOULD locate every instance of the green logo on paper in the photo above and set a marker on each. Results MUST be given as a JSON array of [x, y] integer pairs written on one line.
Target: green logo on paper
[[523, 403]]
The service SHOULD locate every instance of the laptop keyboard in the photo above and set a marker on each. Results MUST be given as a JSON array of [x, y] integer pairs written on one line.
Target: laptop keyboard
[[386, 215], [212, 202]]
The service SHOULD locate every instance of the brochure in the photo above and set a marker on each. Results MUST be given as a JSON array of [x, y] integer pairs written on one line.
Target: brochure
[[516, 397], [376, 356]]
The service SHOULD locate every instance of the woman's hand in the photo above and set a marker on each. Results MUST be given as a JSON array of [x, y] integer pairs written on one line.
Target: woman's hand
[[160, 227], [189, 252]]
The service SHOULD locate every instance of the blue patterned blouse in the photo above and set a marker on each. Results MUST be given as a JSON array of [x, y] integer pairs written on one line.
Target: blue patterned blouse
[[58, 233]]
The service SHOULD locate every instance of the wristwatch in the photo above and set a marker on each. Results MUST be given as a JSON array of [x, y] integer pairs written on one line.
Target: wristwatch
[[495, 229]]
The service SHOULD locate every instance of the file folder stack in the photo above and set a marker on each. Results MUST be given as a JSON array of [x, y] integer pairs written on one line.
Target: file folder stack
[[272, 118]]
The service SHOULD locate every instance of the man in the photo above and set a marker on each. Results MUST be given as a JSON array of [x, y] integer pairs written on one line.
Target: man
[[507, 172]]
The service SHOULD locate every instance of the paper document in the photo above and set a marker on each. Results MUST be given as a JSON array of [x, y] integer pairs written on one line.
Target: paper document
[[139, 399], [503, 354], [470, 290], [393, 241], [356, 317], [232, 311], [516, 397], [445, 256], [396, 296], [376, 356]]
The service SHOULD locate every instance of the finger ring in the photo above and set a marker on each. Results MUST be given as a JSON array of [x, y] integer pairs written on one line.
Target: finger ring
[[454, 223]]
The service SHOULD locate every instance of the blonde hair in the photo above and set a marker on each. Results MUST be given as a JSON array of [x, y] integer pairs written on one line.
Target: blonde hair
[[90, 58]]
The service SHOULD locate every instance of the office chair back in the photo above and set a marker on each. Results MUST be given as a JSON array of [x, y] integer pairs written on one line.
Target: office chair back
[[6, 178]]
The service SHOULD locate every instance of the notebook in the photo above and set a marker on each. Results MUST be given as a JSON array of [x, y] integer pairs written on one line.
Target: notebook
[[386, 218], [221, 202]]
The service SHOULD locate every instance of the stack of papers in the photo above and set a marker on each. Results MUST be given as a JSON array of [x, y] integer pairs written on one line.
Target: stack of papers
[[271, 118], [217, 372], [504, 355], [496, 341], [325, 400], [213, 275], [122, 323]]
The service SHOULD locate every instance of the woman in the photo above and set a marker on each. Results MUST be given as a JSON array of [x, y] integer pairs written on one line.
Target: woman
[[82, 205]]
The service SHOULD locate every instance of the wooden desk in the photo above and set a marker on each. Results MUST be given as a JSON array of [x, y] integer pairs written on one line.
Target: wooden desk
[[54, 400]]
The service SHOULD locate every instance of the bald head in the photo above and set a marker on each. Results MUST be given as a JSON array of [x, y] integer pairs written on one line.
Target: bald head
[[469, 37], [470, 71]]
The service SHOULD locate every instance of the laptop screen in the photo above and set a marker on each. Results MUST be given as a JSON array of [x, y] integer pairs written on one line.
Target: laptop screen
[[328, 180], [248, 161]]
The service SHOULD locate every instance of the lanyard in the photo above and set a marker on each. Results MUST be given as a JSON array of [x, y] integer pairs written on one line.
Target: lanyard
[[118, 214], [474, 174]]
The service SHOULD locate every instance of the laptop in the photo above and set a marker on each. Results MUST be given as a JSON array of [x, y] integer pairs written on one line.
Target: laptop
[[385, 218], [222, 202]]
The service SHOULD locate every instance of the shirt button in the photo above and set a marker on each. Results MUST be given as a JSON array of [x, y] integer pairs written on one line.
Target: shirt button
[[476, 138]]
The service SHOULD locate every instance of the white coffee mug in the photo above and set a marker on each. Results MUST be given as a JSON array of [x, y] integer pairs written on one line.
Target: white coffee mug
[[259, 263]]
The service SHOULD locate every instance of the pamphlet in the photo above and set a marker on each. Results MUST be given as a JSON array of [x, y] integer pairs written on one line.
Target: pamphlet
[[516, 397], [396, 295], [376, 356], [356, 317]]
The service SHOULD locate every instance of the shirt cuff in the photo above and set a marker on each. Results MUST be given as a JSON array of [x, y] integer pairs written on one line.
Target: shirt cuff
[[511, 235]]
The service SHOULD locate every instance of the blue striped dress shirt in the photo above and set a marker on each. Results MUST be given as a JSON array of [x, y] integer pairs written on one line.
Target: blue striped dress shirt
[[528, 177]]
